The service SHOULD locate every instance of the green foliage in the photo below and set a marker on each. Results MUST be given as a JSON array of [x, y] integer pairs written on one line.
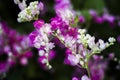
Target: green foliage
[[94, 4]]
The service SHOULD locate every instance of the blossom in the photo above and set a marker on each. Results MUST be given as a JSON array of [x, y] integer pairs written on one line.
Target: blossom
[[93, 13], [64, 10], [73, 59], [40, 40], [66, 15], [85, 78], [81, 19], [29, 13], [111, 40], [62, 4], [14, 47], [108, 17], [97, 67], [74, 78]]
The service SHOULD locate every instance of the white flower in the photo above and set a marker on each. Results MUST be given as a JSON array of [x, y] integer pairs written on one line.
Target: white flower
[[66, 15], [81, 63], [69, 41], [111, 40], [16, 1], [28, 13], [37, 45], [73, 59], [47, 28], [44, 61], [41, 52], [50, 45], [85, 78], [22, 5], [102, 45], [91, 42], [82, 31]]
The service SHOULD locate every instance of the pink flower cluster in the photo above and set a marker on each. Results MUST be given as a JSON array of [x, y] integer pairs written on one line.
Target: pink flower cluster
[[13, 47], [41, 40], [80, 46]]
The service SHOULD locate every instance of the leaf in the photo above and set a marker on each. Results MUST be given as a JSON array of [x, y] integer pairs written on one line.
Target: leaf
[[94, 4]]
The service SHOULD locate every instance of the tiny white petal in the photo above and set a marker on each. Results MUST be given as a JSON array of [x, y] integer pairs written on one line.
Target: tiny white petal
[[41, 52]]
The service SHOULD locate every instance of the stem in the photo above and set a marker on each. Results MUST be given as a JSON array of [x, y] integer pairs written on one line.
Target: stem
[[88, 70], [87, 66]]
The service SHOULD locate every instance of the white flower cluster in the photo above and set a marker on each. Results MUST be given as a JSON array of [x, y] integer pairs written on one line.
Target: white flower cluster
[[67, 15], [83, 47], [89, 41], [42, 40], [28, 13]]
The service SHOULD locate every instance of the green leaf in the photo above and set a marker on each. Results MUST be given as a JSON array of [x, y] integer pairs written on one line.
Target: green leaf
[[94, 4]]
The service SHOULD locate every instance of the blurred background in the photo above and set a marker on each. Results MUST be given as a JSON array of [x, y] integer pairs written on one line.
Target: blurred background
[[60, 71]]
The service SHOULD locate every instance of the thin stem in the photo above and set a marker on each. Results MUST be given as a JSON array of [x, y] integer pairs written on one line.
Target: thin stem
[[87, 66], [88, 70]]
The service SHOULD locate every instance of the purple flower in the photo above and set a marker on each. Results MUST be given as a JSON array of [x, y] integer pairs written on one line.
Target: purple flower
[[41, 6], [99, 20], [75, 78], [118, 39], [97, 68], [3, 67], [93, 13], [111, 55], [38, 24], [14, 46], [23, 60], [81, 19], [56, 23], [108, 18], [62, 4]]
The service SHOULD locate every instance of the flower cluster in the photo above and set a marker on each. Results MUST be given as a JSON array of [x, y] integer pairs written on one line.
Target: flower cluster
[[84, 47], [28, 13], [13, 46], [105, 17], [79, 45], [41, 40], [97, 66], [65, 11]]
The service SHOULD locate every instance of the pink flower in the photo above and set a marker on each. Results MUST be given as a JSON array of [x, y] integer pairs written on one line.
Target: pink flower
[[38, 24], [74, 78], [81, 19]]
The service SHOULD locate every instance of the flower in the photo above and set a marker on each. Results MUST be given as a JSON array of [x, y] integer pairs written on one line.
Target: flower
[[73, 59], [85, 78], [74, 78], [29, 13], [14, 47], [81, 19], [40, 39]]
